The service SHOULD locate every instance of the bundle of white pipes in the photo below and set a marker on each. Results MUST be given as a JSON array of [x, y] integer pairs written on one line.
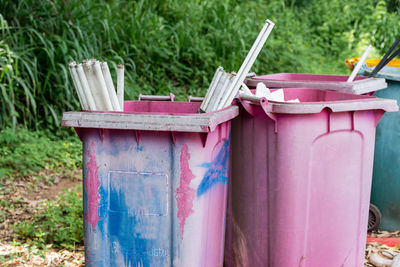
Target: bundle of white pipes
[[219, 84], [224, 87], [94, 85]]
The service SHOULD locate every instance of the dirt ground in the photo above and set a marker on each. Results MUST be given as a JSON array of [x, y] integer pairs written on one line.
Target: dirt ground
[[21, 197]]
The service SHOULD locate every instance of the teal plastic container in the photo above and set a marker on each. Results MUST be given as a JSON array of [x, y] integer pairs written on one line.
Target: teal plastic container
[[386, 173]]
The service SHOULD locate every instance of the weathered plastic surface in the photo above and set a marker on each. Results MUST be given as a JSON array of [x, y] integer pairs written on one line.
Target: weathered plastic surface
[[386, 177], [154, 197], [301, 179], [360, 85]]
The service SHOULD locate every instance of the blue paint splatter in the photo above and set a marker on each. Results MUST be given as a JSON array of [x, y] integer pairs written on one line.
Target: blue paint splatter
[[140, 240], [127, 238], [217, 170]]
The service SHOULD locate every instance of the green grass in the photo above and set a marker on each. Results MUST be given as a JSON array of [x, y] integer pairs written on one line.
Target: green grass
[[26, 152], [58, 223], [172, 45]]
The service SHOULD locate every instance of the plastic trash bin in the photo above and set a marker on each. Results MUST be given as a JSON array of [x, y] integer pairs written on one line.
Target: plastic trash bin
[[301, 179], [360, 85], [386, 176], [155, 183]]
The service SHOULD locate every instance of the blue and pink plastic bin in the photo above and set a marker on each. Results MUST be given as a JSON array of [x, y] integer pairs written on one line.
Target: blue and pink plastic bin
[[155, 183]]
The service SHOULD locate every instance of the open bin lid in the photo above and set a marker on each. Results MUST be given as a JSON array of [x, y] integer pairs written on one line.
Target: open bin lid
[[152, 116], [388, 72], [315, 100], [360, 85]]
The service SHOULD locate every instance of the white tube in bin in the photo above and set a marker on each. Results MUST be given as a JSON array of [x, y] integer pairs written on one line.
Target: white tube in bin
[[247, 64], [211, 88], [359, 64], [110, 86], [120, 86], [98, 75], [78, 86], [94, 87], [86, 87]]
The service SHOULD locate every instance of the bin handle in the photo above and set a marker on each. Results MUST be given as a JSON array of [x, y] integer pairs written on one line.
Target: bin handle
[[252, 98], [195, 98], [251, 74], [386, 59], [262, 101], [170, 97]]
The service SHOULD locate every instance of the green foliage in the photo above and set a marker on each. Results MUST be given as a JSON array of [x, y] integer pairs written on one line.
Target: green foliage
[[59, 222], [172, 45], [25, 152]]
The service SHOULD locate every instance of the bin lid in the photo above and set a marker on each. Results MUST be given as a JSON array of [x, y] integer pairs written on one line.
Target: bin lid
[[315, 100], [152, 116], [388, 72], [360, 85]]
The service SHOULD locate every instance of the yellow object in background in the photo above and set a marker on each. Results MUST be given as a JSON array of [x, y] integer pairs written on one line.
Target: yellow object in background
[[374, 62], [350, 63]]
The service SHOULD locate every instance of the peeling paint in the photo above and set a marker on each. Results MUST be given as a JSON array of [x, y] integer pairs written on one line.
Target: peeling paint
[[184, 193], [92, 185]]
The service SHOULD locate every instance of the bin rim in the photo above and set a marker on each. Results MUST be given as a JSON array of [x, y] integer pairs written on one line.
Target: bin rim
[[277, 77], [150, 121], [388, 72], [363, 103], [360, 85]]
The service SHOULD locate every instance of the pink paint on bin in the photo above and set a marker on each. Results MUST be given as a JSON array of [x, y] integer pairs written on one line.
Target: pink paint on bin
[[301, 179], [92, 185], [184, 193]]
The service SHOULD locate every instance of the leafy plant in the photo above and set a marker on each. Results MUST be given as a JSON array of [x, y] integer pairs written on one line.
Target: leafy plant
[[171, 46], [25, 152], [58, 222]]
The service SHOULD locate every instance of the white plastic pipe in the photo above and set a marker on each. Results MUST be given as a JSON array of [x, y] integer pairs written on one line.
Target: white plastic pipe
[[102, 86], [86, 87], [247, 64], [359, 64], [220, 90], [120, 86], [217, 88], [110, 86], [226, 86], [211, 88], [87, 68], [97, 91], [78, 86], [214, 98]]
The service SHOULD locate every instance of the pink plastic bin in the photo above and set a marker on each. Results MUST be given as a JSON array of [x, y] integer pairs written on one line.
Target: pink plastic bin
[[301, 179], [360, 85]]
